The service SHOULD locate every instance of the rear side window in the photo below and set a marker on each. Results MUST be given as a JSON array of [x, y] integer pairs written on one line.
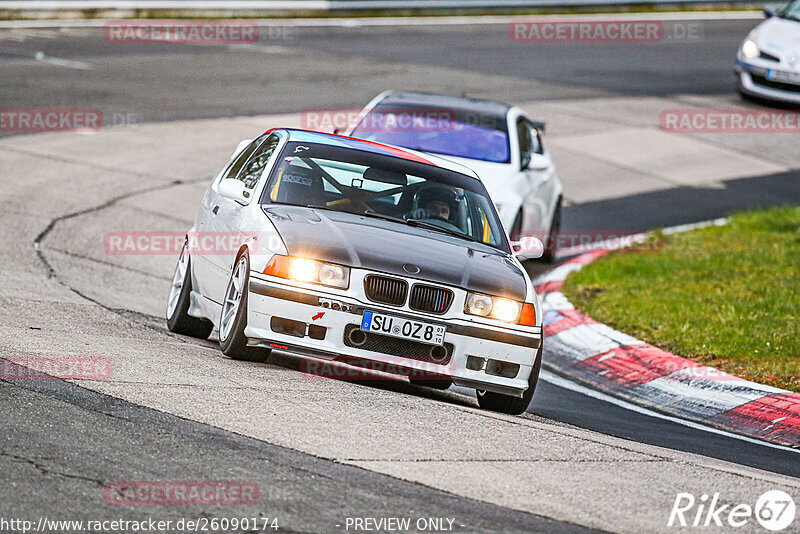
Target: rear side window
[[255, 166], [525, 142], [240, 160], [536, 139]]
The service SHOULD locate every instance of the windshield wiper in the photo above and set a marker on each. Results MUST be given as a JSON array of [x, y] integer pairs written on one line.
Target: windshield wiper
[[372, 213], [436, 227]]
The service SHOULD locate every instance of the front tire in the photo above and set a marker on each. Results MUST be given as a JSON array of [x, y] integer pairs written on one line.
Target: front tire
[[435, 383], [233, 318], [551, 247], [497, 402], [180, 293], [516, 228]]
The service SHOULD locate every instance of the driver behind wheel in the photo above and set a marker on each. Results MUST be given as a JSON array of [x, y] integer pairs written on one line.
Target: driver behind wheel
[[439, 202]]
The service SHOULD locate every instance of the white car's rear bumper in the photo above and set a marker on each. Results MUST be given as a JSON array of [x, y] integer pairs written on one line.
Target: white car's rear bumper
[[312, 324]]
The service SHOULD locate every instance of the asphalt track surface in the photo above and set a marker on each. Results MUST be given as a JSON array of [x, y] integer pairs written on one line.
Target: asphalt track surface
[[60, 440], [293, 69]]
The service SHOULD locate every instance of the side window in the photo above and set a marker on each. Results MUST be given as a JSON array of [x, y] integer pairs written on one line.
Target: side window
[[240, 160], [536, 140], [525, 142], [255, 166]]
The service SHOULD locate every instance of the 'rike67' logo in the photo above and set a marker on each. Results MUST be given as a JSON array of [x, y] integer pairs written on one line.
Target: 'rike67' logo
[[774, 510]]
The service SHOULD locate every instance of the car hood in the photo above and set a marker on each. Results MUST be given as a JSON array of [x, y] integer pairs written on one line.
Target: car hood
[[495, 176], [389, 247], [780, 37], [487, 170]]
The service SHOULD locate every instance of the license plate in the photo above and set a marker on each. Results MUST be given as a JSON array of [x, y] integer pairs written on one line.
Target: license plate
[[402, 328], [781, 76]]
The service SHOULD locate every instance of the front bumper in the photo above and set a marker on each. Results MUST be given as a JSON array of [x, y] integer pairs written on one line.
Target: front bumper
[[313, 324], [752, 80]]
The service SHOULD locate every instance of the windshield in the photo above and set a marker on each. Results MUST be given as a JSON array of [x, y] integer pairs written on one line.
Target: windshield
[[399, 190], [441, 131], [792, 11]]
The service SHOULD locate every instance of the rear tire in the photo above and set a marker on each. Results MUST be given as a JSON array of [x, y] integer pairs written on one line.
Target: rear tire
[[497, 402], [180, 294], [233, 318]]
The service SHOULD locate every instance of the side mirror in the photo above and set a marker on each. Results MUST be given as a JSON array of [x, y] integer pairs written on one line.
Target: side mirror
[[538, 162], [242, 144], [528, 247], [769, 12], [233, 189]]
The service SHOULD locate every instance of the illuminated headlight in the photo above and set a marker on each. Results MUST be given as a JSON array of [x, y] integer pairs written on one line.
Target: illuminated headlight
[[750, 49], [495, 307], [506, 310], [303, 270], [311, 271]]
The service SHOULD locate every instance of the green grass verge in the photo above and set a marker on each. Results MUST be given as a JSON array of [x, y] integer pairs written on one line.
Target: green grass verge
[[726, 296]]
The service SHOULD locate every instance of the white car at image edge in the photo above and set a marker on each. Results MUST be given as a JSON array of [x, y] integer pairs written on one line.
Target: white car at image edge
[[768, 60]]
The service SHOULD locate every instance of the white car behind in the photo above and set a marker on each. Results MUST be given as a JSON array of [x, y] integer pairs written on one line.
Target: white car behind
[[768, 60], [499, 142]]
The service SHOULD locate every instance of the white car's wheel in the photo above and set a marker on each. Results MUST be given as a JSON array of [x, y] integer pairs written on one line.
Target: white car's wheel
[[551, 247], [178, 318], [234, 316]]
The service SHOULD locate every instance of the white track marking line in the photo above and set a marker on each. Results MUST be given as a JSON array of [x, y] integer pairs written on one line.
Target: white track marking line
[[23, 54], [561, 382], [79, 65], [424, 21], [722, 221]]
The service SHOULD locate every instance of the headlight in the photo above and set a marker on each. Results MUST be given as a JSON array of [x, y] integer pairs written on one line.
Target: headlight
[[479, 304], [750, 49], [312, 271], [507, 310]]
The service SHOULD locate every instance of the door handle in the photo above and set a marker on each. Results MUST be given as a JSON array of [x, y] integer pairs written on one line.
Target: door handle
[[215, 210]]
